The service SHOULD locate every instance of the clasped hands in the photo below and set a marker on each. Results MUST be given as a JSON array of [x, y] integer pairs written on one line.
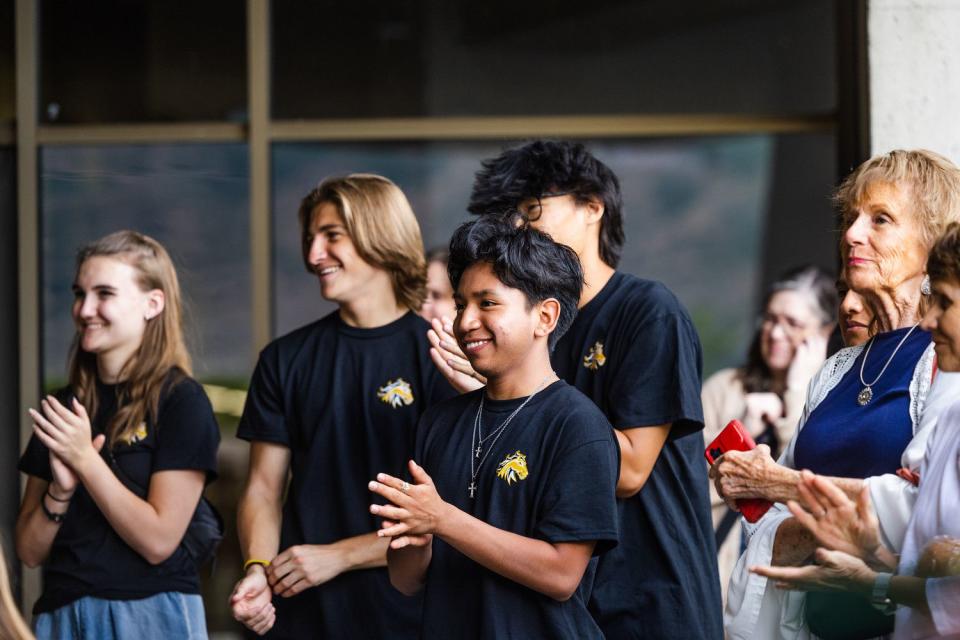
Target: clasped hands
[[415, 511], [409, 520], [292, 571]]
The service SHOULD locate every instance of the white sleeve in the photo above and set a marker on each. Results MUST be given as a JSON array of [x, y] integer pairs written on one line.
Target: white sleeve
[[892, 497], [943, 597], [753, 610]]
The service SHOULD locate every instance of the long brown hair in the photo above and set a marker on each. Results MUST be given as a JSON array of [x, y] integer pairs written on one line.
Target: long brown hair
[[382, 226], [162, 351], [12, 625]]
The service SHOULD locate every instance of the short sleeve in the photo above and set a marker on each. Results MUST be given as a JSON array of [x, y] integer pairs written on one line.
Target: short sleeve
[[657, 380], [264, 413], [187, 432], [35, 460], [580, 502]]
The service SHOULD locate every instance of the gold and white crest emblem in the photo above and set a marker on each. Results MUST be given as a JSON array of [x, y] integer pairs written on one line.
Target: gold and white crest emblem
[[595, 358], [396, 393], [513, 468], [138, 434]]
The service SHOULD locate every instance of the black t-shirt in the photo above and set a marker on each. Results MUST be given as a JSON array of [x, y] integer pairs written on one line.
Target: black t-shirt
[[88, 558], [551, 474], [635, 352], [346, 401]]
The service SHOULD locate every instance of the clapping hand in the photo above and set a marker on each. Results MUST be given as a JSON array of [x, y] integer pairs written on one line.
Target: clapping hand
[[836, 521], [834, 571], [415, 512], [450, 359], [67, 434]]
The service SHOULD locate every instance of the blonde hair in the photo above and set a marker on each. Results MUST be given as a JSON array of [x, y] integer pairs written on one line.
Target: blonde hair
[[381, 225], [12, 625], [933, 179], [162, 351]]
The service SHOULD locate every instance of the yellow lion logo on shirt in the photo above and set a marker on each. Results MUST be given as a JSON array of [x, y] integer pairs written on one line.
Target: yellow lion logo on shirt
[[595, 358], [396, 393], [137, 435], [513, 468]]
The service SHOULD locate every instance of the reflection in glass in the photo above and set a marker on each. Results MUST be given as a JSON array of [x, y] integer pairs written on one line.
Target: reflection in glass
[[368, 58], [7, 63], [194, 199], [696, 212], [145, 61]]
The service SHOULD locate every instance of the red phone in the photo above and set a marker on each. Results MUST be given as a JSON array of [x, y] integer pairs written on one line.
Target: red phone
[[735, 437]]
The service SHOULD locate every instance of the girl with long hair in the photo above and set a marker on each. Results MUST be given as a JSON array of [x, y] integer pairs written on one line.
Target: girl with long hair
[[119, 458]]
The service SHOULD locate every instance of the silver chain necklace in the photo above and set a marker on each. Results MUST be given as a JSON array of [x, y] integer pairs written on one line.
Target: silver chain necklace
[[476, 441], [866, 394]]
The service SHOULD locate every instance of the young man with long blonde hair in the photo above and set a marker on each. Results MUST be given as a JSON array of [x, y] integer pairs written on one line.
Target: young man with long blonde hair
[[331, 404]]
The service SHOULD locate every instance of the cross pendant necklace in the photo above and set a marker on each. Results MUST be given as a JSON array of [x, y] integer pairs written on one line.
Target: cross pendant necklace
[[477, 437]]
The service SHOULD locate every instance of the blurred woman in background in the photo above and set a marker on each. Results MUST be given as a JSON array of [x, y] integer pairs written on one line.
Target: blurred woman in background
[[768, 392]]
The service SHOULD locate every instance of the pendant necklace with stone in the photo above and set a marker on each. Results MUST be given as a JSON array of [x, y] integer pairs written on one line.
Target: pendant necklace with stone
[[866, 394]]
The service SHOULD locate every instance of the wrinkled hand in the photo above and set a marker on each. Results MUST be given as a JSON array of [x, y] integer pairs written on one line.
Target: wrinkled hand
[[761, 409], [65, 481], [940, 558], [834, 571], [449, 358], [251, 602], [416, 512], [808, 357], [64, 432], [748, 474], [836, 521], [303, 566]]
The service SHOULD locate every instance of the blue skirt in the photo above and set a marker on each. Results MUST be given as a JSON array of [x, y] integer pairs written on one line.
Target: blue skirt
[[165, 615]]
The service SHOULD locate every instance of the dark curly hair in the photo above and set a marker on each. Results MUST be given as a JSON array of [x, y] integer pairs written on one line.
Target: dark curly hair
[[522, 258], [543, 166]]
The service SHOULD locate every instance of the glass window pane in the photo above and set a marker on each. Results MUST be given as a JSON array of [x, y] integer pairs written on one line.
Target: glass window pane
[[8, 81], [193, 198], [698, 213], [149, 61], [10, 445], [368, 58]]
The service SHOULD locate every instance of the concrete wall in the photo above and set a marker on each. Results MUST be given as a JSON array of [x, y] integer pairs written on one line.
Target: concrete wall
[[914, 60]]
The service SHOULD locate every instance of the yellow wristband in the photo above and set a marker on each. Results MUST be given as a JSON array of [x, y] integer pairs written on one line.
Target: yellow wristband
[[263, 563]]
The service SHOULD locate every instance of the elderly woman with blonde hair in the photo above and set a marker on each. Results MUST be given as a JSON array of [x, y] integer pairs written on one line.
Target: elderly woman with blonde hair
[[869, 408]]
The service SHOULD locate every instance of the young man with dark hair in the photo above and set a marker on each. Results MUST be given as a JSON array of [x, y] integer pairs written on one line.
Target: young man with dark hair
[[513, 488], [634, 351]]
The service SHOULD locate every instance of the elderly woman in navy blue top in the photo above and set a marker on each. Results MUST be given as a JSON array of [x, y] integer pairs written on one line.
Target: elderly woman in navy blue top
[[862, 419]]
